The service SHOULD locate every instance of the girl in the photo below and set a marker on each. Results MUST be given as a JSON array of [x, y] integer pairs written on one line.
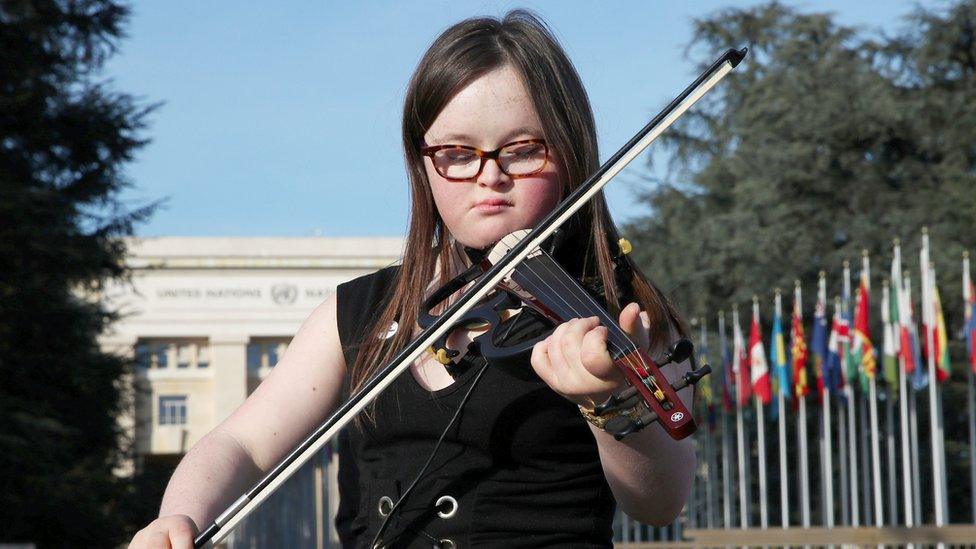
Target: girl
[[496, 130]]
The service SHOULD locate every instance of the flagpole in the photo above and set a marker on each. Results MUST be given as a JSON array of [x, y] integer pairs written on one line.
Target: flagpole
[[913, 414], [892, 377], [873, 406], [760, 434], [892, 452], [828, 457], [709, 447], [971, 394], [851, 405], [939, 326], [928, 303], [802, 422], [842, 457], [784, 493], [904, 311], [740, 426], [889, 350], [906, 444], [726, 449], [864, 453], [967, 299], [906, 447]]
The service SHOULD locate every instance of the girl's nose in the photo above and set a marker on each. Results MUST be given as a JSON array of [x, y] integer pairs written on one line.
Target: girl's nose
[[492, 174]]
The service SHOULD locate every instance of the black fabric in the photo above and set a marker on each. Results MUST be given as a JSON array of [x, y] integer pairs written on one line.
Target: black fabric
[[521, 462]]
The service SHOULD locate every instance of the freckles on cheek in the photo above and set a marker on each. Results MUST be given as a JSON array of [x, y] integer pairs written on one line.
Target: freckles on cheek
[[448, 201], [543, 197]]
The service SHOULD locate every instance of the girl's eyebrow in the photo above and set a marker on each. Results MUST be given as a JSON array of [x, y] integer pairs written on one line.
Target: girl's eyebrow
[[466, 138]]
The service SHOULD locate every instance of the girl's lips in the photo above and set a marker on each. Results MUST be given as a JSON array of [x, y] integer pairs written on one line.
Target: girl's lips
[[492, 206]]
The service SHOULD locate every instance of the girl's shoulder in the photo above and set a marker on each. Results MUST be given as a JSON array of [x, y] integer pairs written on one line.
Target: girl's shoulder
[[359, 304], [369, 283]]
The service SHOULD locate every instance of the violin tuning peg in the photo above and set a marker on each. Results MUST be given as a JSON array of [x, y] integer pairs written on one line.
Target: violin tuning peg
[[618, 400], [623, 425], [679, 352], [692, 377]]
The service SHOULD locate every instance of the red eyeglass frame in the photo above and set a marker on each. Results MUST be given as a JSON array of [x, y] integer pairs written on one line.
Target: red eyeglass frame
[[483, 156]]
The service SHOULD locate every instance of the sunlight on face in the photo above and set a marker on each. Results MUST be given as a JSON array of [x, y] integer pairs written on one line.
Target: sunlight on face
[[491, 111]]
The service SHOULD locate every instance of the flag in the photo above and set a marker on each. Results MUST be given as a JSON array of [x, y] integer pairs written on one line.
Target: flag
[[969, 302], [862, 351], [740, 364], [818, 339], [909, 340], [894, 314], [940, 337], [890, 360], [778, 358], [757, 360], [848, 366], [833, 369], [799, 355]]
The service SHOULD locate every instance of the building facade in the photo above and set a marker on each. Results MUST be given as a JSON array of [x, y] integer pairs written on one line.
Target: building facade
[[207, 319]]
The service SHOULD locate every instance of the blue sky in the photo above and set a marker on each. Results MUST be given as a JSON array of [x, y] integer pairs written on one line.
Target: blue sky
[[282, 119]]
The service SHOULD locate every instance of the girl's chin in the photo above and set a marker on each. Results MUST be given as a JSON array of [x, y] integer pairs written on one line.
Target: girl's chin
[[488, 232], [482, 241]]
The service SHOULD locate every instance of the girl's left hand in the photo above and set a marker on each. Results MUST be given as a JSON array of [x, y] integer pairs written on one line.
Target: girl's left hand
[[574, 360]]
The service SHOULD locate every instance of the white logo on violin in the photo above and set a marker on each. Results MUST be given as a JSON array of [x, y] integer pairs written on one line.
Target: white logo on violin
[[677, 416]]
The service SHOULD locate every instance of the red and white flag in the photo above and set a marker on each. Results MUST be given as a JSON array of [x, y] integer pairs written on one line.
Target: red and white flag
[[758, 366]]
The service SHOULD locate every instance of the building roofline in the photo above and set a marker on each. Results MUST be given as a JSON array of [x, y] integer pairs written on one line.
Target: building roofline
[[181, 252]]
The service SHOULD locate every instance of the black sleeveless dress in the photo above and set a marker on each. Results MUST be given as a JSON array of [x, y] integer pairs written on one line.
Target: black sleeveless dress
[[519, 468]]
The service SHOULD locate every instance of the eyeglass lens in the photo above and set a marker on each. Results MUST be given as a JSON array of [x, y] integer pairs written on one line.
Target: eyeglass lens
[[514, 159]]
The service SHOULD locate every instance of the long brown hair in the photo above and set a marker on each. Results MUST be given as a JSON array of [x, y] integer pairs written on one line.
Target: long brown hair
[[461, 54]]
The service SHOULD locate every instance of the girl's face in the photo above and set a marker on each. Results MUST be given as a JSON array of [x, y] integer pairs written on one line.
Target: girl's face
[[490, 112]]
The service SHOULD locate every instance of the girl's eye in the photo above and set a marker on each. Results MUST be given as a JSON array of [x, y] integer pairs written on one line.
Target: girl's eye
[[528, 150], [458, 156]]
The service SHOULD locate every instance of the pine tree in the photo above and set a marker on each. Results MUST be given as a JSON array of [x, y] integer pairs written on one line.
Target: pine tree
[[65, 138]]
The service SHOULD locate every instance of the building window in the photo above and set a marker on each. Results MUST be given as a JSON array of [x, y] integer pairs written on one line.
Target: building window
[[265, 352], [161, 353], [172, 410], [143, 360], [184, 355]]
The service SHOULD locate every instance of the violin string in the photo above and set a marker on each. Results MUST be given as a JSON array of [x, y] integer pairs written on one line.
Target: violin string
[[626, 344], [574, 291], [576, 311], [628, 357], [632, 360]]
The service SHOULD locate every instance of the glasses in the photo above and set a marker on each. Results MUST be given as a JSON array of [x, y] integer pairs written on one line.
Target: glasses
[[463, 163]]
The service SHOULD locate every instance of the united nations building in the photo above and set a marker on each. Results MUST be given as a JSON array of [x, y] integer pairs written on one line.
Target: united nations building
[[206, 320]]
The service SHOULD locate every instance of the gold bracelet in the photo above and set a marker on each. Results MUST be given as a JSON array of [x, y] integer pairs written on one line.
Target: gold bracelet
[[600, 421]]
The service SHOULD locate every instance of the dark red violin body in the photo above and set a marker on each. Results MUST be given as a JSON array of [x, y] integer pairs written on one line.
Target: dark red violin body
[[540, 283]]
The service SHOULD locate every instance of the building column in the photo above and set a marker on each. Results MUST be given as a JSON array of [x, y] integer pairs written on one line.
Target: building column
[[228, 359], [125, 346]]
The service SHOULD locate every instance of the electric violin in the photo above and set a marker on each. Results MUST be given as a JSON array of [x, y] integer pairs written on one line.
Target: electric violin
[[645, 378], [542, 284]]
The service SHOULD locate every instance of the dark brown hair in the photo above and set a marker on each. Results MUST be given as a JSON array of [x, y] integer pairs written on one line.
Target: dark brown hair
[[460, 55]]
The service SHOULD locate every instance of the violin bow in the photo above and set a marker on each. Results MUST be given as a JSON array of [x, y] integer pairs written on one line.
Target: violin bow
[[221, 527]]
